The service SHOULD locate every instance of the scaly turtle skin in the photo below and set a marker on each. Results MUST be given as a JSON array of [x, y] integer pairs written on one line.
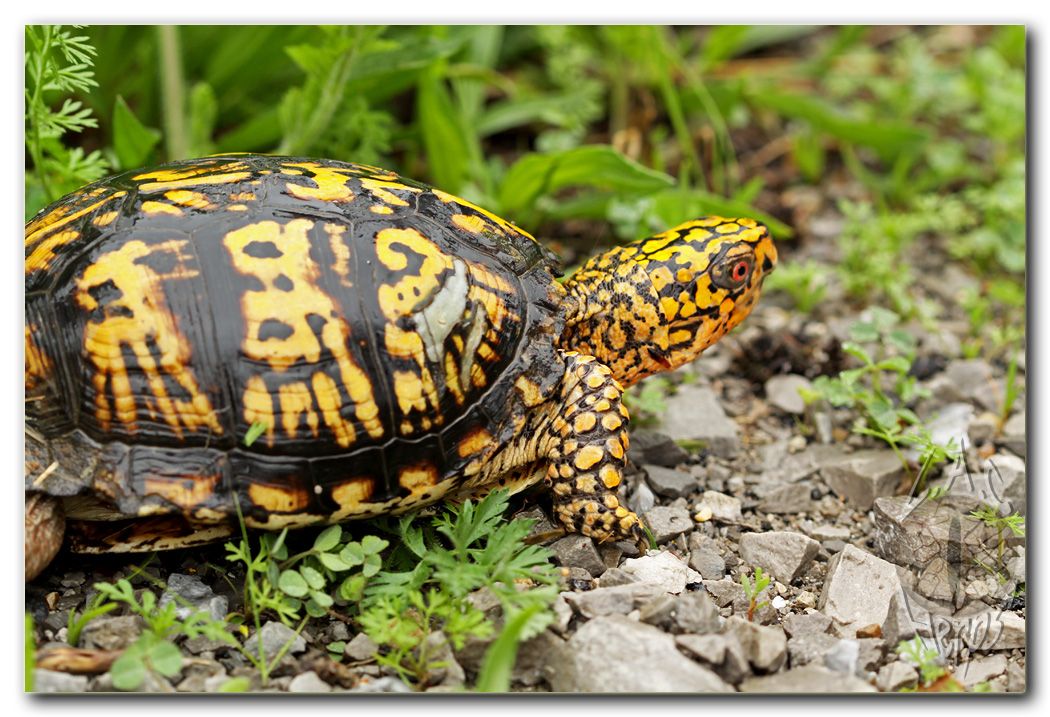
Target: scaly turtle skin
[[395, 345]]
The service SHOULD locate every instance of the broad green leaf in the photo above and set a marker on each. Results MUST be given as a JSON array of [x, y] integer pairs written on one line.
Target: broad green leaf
[[895, 363], [352, 554], [889, 138], [128, 671], [674, 206], [292, 583], [236, 684], [371, 566], [312, 577], [321, 598], [857, 351], [132, 140], [596, 166], [328, 538], [373, 545], [165, 658], [333, 562], [444, 135]]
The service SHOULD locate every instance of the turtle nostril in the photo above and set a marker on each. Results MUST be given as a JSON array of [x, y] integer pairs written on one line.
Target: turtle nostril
[[767, 265]]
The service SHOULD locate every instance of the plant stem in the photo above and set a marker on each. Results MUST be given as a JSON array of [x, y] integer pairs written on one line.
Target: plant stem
[[35, 149], [173, 91]]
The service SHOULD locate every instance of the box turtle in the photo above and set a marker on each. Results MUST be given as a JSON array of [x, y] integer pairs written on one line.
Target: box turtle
[[306, 341]]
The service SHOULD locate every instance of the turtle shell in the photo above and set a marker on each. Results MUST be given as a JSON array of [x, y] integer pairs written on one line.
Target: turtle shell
[[305, 340]]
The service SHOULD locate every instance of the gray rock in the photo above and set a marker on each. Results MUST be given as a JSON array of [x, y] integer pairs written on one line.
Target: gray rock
[[788, 499], [913, 533], [857, 590], [618, 600], [650, 447], [543, 530], [722, 652], [828, 532], [583, 664], [765, 647], [950, 423], [196, 673], [724, 592], [615, 576], [808, 679], [153, 683], [578, 551], [844, 656], [669, 482], [1015, 678], [783, 467], [1002, 482], [783, 392], [695, 414], [533, 654], [642, 498], [50, 681], [448, 672], [1014, 436], [980, 669], [662, 570], [274, 636], [111, 633], [690, 612], [861, 477], [190, 594], [708, 563], [361, 648], [808, 647], [802, 623], [993, 630], [562, 615], [308, 681], [724, 508], [895, 676], [938, 580], [381, 684], [967, 380], [667, 522], [783, 554]]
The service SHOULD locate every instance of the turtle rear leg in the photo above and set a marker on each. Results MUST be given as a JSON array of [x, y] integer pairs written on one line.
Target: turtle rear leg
[[587, 447], [45, 529]]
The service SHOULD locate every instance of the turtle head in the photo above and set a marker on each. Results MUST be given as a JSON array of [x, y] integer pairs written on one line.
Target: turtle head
[[658, 303]]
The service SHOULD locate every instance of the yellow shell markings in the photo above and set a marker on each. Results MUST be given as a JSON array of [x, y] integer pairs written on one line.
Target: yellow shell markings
[[43, 237], [290, 294], [164, 180], [136, 317], [331, 182], [38, 365], [499, 222]]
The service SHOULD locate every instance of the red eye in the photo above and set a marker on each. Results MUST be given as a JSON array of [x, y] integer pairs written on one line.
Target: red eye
[[740, 271]]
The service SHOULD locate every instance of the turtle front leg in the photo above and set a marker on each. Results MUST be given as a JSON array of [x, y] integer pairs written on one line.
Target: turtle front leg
[[587, 447], [45, 528]]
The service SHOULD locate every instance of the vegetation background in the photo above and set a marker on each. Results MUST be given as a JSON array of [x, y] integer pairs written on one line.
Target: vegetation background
[[912, 139]]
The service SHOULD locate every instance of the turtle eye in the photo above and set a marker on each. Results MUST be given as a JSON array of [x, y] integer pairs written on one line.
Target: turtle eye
[[733, 273]]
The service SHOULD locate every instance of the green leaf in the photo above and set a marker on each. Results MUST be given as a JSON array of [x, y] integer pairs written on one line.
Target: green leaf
[[328, 538], [888, 137], [371, 566], [165, 658], [312, 577], [895, 363], [333, 562], [254, 431], [596, 166], [132, 140], [323, 599], [857, 351], [674, 206], [502, 653], [292, 583], [29, 655], [236, 684], [352, 588], [128, 671], [444, 135], [353, 554], [864, 331], [373, 545]]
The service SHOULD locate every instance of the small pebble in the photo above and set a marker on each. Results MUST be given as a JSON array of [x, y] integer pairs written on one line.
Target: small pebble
[[704, 514]]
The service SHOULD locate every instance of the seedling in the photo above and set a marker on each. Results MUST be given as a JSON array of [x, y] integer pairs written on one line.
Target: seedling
[[933, 676], [754, 590], [991, 517]]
